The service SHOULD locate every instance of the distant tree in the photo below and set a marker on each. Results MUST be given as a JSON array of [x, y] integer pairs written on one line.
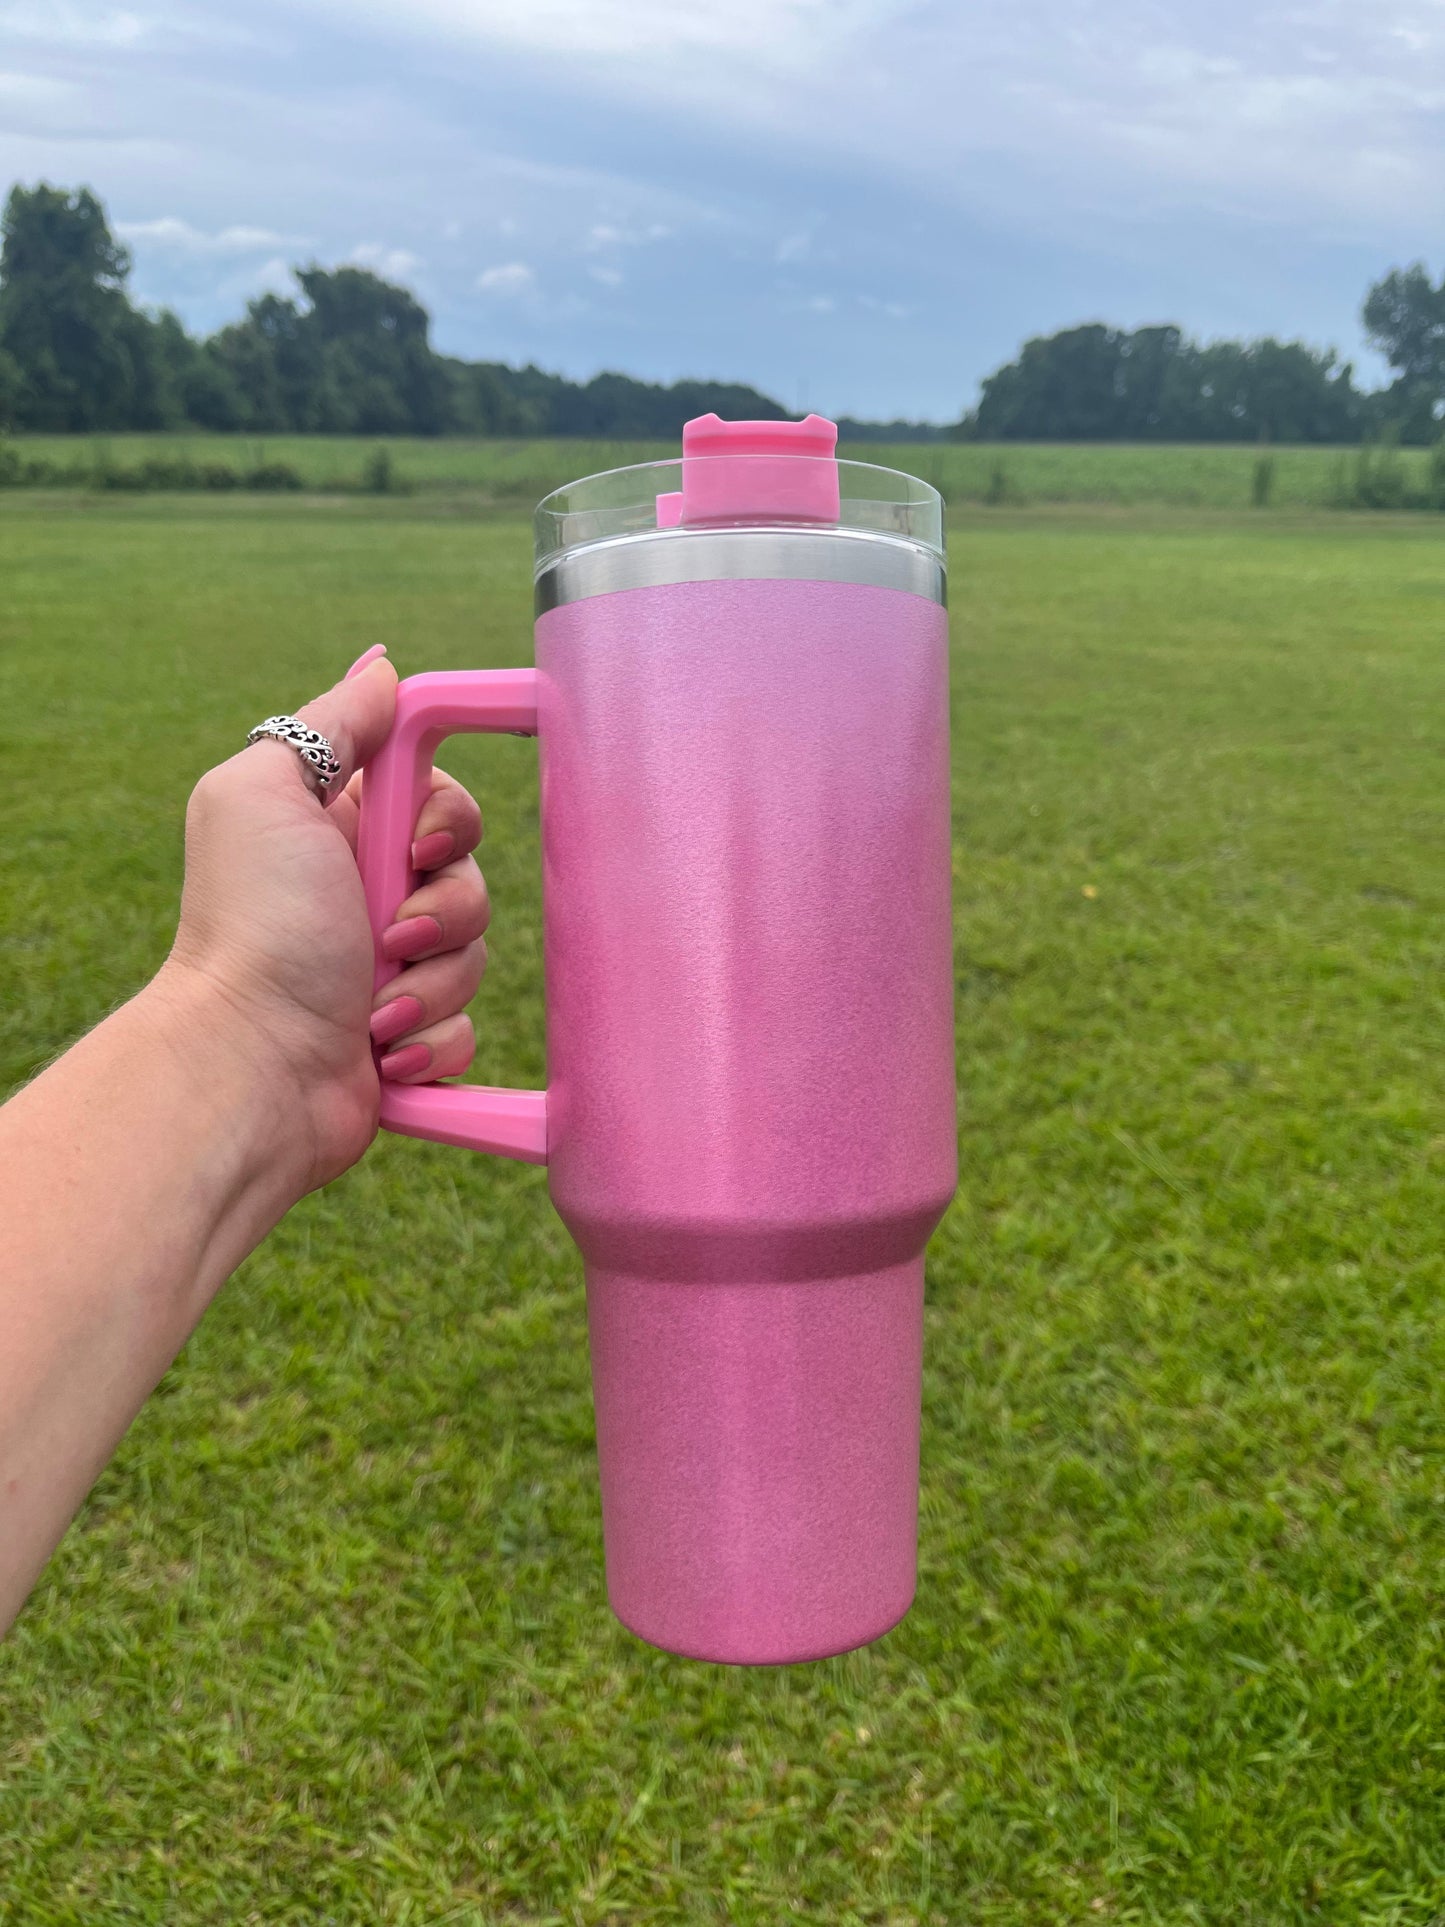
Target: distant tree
[[209, 395], [1404, 316], [377, 372], [1147, 382], [850, 429], [671, 406], [1100, 384], [349, 353], [1063, 387], [481, 399], [1091, 383], [11, 383], [617, 405], [488, 398], [352, 358], [255, 362], [65, 321], [1266, 390], [162, 355], [1294, 393]]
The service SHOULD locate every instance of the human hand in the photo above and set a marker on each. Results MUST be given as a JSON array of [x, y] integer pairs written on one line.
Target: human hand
[[275, 947]]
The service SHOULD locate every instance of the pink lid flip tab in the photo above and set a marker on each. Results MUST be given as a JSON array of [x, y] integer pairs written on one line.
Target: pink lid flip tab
[[754, 472]]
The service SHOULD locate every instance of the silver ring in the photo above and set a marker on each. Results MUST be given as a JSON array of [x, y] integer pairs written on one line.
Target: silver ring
[[317, 755]]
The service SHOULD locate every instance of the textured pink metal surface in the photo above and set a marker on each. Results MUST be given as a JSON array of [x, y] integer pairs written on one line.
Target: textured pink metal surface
[[746, 850], [759, 1452]]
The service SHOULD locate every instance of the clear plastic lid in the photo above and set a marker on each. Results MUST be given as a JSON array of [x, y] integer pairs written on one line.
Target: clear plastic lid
[[775, 490]]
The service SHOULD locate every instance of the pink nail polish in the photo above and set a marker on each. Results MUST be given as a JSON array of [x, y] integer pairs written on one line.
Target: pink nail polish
[[428, 851], [376, 649], [409, 938], [395, 1017], [406, 1062]]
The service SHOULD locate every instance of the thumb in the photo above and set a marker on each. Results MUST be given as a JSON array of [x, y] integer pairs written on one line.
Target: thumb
[[355, 717]]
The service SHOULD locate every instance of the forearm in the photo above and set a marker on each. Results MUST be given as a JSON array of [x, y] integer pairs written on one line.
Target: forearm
[[138, 1171], [135, 1174]]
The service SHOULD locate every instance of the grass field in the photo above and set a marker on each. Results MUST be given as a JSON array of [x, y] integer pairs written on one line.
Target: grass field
[[329, 1643], [522, 471]]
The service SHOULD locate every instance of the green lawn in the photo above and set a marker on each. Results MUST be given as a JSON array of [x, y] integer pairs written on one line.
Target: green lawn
[[329, 1643], [522, 471]]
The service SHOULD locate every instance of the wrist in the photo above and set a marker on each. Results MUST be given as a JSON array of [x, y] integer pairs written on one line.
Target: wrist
[[230, 1073]]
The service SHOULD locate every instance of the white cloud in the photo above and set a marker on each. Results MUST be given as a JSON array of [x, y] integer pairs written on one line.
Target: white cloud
[[1040, 110], [80, 27], [169, 231], [73, 26], [510, 278], [895, 310], [821, 304], [390, 263], [1018, 110], [609, 277], [641, 32], [34, 90], [273, 276], [605, 235]]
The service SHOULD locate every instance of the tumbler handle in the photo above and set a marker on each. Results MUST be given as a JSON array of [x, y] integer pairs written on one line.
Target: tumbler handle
[[512, 1124]]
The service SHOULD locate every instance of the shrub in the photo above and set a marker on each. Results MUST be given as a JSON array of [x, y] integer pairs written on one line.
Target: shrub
[[179, 473], [276, 477], [167, 471], [1435, 476], [106, 475], [1380, 479], [35, 472], [379, 476]]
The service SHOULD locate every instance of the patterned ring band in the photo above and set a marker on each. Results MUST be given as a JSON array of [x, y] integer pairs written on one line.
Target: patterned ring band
[[319, 758]]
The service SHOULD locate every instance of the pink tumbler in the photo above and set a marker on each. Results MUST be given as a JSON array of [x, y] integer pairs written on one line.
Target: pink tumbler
[[741, 705]]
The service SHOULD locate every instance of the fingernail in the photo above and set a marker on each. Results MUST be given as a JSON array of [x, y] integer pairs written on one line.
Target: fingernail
[[428, 851], [405, 1063], [401, 1014], [376, 649], [409, 938]]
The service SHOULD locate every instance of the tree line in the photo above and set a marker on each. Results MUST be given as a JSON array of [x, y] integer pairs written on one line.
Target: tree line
[[1096, 383], [352, 355]]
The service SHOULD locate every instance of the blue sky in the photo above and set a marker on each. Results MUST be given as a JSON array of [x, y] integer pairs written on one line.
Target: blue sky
[[860, 205]]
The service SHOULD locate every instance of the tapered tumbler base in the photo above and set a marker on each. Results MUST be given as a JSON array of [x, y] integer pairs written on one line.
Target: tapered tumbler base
[[758, 1446]]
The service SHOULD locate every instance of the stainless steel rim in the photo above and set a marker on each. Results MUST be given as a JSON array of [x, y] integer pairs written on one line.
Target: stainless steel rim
[[659, 558]]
